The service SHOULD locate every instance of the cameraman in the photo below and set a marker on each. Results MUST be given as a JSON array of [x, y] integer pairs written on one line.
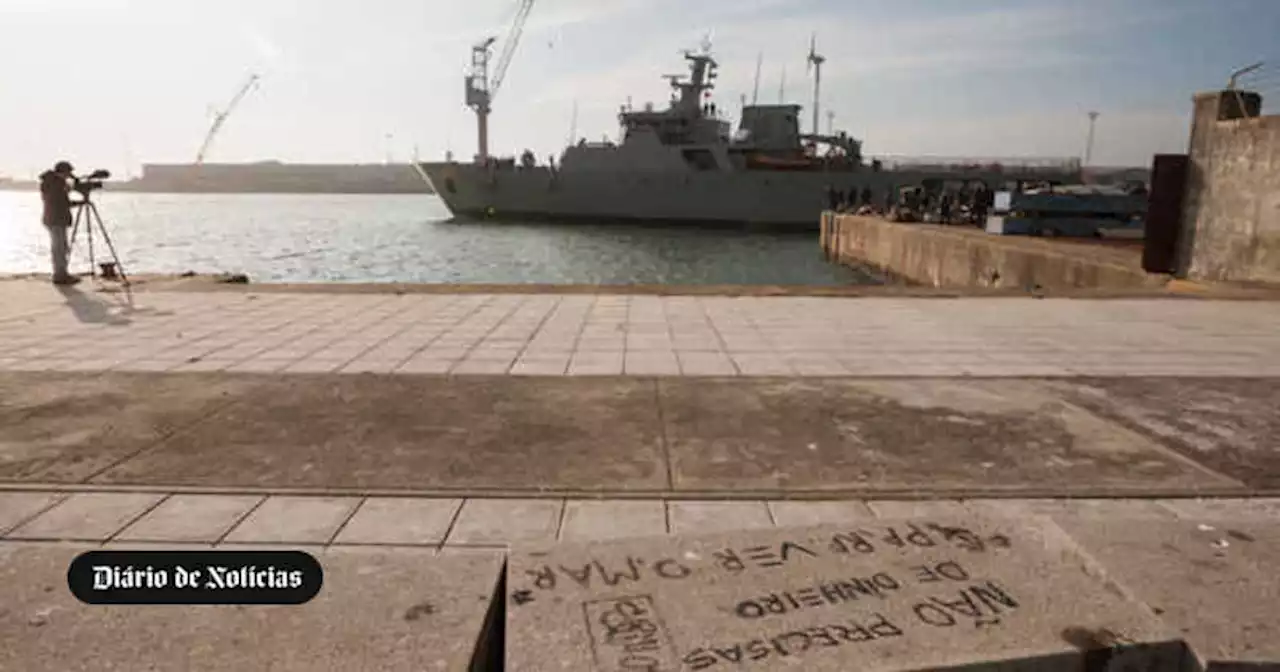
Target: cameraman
[[56, 194]]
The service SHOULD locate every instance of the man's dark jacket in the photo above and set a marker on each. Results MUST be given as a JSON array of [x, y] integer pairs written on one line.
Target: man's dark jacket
[[57, 199]]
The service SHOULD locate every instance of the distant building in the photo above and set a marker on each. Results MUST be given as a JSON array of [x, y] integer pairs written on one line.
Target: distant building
[[277, 177]]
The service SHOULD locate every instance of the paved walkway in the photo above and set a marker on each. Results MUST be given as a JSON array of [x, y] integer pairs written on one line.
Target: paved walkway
[[479, 524], [668, 437], [81, 330]]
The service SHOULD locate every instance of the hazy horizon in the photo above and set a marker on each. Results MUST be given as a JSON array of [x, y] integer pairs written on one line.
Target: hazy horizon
[[115, 83]]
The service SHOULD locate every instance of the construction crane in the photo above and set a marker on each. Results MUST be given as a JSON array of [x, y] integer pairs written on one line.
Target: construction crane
[[481, 87], [220, 118]]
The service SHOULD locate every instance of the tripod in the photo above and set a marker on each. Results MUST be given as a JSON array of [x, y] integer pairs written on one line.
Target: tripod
[[87, 213]]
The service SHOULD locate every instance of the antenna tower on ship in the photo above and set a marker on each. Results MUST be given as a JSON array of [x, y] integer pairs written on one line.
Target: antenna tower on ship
[[220, 118], [481, 88], [815, 61]]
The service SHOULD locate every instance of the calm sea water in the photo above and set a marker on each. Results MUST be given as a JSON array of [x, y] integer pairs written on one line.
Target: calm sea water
[[367, 238]]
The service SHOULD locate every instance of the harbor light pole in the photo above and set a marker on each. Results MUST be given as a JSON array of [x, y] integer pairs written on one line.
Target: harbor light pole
[[1088, 145]]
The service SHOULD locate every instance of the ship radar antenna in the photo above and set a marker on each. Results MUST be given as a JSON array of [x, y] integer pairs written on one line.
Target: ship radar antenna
[[815, 62]]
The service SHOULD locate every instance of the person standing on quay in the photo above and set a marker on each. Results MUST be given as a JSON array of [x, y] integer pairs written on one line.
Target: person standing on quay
[[56, 195]]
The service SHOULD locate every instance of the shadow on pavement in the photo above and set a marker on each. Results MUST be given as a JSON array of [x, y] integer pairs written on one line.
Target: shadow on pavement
[[92, 309]]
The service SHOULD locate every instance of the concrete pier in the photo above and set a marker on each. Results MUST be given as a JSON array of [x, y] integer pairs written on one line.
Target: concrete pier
[[412, 441], [966, 258]]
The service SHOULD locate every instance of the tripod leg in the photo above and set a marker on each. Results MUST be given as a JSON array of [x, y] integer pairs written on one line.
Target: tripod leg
[[88, 230], [110, 246], [75, 228]]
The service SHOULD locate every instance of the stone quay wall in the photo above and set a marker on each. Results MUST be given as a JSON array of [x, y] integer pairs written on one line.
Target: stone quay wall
[[952, 257]]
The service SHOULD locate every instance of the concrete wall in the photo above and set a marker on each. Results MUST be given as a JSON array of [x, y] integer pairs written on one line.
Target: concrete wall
[[951, 257], [1231, 213]]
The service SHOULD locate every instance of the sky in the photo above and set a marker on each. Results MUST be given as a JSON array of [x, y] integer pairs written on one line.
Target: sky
[[115, 83]]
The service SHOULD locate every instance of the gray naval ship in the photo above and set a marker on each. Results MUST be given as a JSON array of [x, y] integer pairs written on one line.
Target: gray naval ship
[[686, 165]]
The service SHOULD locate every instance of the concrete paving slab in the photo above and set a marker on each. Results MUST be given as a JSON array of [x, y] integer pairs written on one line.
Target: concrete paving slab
[[67, 427], [806, 514], [191, 518], [713, 516], [87, 516], [398, 431], [915, 509], [586, 519], [501, 522], [904, 434], [1228, 424], [883, 596], [384, 611], [1264, 508], [19, 507], [398, 520], [1129, 509], [295, 520], [1216, 583]]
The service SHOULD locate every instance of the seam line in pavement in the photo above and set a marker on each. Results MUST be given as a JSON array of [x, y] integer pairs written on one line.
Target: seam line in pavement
[[536, 330], [62, 497], [162, 440], [343, 525], [1162, 443], [244, 516], [564, 511], [453, 522], [886, 493], [489, 332], [662, 434], [154, 505]]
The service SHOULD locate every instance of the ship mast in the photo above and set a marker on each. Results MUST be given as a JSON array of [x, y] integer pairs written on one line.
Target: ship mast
[[481, 88], [815, 61]]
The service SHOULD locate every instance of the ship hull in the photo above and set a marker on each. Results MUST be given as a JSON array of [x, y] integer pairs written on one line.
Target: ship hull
[[791, 200]]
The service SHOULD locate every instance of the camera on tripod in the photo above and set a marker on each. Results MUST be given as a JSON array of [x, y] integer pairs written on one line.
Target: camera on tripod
[[91, 182]]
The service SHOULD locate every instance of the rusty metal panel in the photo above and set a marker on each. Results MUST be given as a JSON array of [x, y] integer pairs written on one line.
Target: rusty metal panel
[[1164, 213]]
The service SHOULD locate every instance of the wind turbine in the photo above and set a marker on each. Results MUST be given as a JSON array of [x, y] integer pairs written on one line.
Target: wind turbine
[[815, 61]]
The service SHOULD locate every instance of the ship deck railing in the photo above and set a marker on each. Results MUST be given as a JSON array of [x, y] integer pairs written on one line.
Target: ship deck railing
[[1028, 165]]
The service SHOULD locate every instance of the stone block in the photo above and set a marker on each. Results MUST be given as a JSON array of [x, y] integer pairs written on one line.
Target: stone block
[[801, 513], [87, 516], [191, 518], [875, 596], [19, 507], [294, 520], [400, 520], [1215, 581], [716, 516], [500, 522], [613, 519], [385, 612]]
